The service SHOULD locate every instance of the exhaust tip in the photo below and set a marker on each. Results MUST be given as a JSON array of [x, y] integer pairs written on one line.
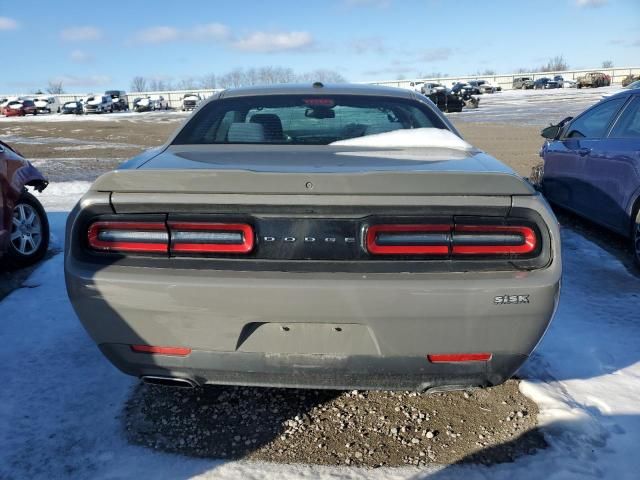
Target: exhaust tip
[[169, 381]]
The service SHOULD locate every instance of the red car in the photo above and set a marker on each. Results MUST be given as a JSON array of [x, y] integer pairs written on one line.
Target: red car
[[24, 228], [20, 108]]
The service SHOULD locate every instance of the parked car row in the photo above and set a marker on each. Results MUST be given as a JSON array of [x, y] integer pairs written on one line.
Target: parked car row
[[452, 99]]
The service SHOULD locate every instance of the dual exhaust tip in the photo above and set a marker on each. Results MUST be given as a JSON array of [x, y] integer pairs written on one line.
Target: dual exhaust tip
[[169, 381]]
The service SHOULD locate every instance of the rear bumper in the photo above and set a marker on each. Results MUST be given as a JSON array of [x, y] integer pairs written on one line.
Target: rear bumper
[[315, 371], [314, 330]]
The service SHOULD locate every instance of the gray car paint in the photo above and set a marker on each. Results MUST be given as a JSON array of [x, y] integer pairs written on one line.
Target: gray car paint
[[388, 322]]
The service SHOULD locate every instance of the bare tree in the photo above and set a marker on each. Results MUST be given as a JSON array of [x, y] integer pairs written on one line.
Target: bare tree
[[139, 84], [188, 83], [607, 64], [159, 85], [432, 75], [555, 64], [486, 73], [55, 87], [209, 81], [322, 75]]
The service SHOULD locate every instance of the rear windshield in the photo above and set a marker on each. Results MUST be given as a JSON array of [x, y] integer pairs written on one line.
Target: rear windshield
[[303, 120]]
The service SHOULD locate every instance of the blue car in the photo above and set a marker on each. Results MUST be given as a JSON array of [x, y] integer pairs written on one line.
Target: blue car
[[592, 165]]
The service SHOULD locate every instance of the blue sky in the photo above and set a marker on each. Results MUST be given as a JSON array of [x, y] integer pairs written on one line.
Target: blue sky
[[96, 45]]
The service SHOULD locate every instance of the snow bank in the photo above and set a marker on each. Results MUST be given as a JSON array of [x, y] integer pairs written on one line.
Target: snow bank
[[62, 196], [414, 138]]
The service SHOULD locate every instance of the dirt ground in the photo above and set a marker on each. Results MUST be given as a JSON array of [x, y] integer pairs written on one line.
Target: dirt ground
[[323, 427], [516, 146], [106, 144]]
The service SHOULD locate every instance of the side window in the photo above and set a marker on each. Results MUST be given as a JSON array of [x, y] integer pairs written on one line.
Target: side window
[[594, 123], [628, 125]]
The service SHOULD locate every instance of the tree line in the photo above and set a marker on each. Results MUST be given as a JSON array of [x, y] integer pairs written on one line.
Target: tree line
[[238, 77]]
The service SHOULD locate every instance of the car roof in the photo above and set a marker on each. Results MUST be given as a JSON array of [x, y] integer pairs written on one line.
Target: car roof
[[625, 93], [326, 89]]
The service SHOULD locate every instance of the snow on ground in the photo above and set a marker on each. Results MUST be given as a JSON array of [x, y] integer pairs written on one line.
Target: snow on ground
[[533, 107], [69, 143], [61, 401], [164, 115]]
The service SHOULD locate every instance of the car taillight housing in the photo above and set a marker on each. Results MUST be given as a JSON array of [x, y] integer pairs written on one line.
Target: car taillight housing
[[421, 239], [140, 237], [203, 237], [172, 237], [455, 240]]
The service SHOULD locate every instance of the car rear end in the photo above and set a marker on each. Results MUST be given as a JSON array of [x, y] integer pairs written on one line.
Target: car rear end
[[329, 267]]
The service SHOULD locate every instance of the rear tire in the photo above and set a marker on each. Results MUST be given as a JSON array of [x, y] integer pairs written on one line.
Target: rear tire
[[29, 238]]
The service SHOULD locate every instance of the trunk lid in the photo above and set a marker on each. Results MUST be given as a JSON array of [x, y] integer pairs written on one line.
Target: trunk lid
[[316, 170]]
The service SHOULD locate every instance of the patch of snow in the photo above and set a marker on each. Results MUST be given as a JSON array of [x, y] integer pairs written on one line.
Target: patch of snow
[[62, 196], [408, 138]]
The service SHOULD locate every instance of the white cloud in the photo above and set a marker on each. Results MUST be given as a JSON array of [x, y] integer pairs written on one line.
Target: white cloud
[[209, 31], [201, 32], [7, 23], [264, 42], [436, 54], [591, 3], [157, 35], [81, 34], [80, 56], [89, 81]]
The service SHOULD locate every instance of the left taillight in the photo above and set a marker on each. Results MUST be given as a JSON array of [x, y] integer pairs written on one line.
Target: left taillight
[[204, 237], [135, 237], [171, 237]]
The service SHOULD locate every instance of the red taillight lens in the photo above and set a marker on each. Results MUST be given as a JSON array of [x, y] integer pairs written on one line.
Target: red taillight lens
[[493, 240], [204, 237], [443, 240], [408, 239], [141, 237], [459, 357], [174, 351]]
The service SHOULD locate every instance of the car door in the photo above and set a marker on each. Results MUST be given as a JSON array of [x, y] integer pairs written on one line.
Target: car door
[[612, 170], [565, 159]]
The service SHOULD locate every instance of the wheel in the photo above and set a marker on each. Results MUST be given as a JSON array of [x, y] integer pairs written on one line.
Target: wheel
[[29, 237], [635, 237]]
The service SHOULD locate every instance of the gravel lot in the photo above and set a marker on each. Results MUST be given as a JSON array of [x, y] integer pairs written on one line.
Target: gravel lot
[[324, 427]]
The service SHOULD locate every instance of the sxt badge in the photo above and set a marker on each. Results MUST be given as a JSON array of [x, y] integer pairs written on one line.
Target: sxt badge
[[511, 299]]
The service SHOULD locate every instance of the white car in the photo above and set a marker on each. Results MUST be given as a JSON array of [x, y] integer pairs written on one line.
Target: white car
[[47, 104], [159, 102], [98, 104], [4, 101], [431, 87]]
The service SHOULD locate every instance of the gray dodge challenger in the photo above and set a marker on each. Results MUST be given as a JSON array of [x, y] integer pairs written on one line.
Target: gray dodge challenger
[[315, 236]]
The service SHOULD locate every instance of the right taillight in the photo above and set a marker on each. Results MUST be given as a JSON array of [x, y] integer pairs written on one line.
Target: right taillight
[[493, 240], [450, 240], [418, 239]]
